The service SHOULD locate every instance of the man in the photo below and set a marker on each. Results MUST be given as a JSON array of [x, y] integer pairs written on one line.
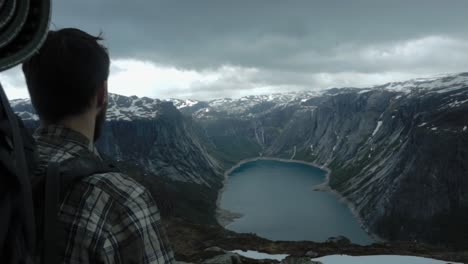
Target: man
[[107, 217]]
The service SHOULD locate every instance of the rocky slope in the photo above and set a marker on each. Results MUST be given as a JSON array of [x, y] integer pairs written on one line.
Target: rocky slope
[[398, 152], [156, 136]]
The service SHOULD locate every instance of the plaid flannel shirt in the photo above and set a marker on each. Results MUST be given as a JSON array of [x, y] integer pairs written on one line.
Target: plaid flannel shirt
[[108, 218]]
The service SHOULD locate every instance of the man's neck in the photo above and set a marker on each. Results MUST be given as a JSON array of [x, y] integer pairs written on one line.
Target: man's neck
[[83, 124]]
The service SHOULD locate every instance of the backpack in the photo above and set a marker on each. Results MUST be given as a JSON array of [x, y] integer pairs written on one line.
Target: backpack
[[17, 223], [23, 28], [19, 220]]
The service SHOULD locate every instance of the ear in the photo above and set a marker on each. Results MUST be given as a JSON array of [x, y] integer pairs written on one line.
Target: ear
[[102, 95]]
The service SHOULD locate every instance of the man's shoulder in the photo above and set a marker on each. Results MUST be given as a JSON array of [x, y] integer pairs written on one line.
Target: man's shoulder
[[48, 152], [119, 186]]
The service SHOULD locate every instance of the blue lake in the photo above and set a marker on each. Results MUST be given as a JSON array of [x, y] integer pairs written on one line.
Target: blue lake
[[277, 201]]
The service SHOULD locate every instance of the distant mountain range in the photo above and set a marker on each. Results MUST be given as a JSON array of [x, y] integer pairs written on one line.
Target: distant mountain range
[[398, 152]]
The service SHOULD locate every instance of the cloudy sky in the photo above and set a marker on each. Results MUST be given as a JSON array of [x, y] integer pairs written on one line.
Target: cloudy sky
[[224, 48]]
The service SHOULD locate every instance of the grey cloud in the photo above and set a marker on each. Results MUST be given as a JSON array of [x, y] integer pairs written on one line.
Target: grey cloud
[[265, 34], [292, 45]]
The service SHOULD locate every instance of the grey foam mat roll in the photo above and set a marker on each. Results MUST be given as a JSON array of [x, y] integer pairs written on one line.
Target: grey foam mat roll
[[23, 29]]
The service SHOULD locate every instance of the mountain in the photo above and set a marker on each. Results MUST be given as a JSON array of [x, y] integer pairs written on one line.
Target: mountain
[[158, 137], [397, 152], [151, 133]]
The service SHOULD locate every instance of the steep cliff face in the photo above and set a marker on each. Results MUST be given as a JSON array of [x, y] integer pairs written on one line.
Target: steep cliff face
[[164, 143], [401, 161], [398, 152]]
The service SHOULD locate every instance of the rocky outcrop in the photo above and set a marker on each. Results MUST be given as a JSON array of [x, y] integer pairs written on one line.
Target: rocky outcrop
[[228, 258], [190, 241], [166, 145]]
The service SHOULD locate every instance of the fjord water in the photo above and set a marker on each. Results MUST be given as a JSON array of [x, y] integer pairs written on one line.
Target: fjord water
[[277, 201]]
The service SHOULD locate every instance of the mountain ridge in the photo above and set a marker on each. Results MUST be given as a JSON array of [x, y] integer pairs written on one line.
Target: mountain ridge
[[133, 107]]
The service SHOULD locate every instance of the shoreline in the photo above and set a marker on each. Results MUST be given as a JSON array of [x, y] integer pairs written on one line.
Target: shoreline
[[225, 217]]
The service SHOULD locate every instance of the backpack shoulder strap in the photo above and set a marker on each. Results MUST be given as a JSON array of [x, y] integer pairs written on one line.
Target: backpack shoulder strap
[[74, 170], [60, 177], [51, 208]]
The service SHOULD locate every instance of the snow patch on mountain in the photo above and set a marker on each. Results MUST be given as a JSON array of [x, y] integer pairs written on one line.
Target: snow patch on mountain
[[24, 109], [28, 116], [131, 108], [438, 84], [183, 103], [379, 124], [381, 259], [243, 104]]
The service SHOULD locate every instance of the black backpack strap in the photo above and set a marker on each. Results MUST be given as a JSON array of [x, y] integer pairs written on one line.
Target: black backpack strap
[[74, 170], [60, 177], [51, 209]]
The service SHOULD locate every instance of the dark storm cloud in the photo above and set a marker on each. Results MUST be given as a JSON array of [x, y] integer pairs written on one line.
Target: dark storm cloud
[[283, 35], [206, 49]]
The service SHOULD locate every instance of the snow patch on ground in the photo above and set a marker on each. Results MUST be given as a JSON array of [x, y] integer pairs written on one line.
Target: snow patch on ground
[[382, 259], [259, 255]]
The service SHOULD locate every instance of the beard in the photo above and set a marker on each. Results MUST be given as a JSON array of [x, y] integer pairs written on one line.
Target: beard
[[99, 124]]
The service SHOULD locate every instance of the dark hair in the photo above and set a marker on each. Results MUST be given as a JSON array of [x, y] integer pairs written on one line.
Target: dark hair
[[66, 73]]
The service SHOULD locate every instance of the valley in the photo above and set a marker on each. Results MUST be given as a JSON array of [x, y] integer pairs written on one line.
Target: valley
[[397, 154]]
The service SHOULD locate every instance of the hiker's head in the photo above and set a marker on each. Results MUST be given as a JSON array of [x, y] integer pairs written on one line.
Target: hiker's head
[[68, 76]]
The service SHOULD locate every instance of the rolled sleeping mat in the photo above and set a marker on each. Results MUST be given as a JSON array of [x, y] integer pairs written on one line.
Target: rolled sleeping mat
[[23, 29]]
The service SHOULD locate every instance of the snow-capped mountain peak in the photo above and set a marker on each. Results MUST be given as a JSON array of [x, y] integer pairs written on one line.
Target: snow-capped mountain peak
[[439, 84]]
